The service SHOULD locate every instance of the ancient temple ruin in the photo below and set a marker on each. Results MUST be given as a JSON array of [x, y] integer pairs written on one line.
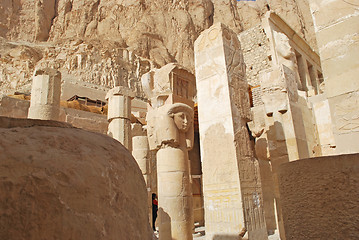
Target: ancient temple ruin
[[244, 127]]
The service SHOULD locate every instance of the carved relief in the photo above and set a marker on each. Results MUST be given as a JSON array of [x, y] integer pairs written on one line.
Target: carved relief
[[181, 86], [167, 122], [274, 92], [169, 84], [286, 56], [347, 114], [208, 37], [234, 56], [240, 97]]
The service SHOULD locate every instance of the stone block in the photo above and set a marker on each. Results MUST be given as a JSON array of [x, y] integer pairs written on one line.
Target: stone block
[[318, 194], [328, 13]]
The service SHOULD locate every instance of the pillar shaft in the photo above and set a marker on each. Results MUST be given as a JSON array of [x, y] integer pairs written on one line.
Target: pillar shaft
[[119, 115], [140, 152], [231, 185], [45, 95], [174, 194]]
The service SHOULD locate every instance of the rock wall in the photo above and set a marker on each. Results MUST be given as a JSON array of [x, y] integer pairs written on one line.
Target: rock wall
[[161, 31]]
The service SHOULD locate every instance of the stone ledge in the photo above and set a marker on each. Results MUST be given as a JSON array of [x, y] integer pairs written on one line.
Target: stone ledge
[[6, 122]]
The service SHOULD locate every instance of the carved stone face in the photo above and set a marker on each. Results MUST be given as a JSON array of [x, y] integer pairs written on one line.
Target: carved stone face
[[182, 121], [283, 47]]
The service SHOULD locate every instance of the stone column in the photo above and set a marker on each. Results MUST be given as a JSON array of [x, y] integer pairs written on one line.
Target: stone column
[[284, 125], [140, 152], [279, 93], [170, 130], [119, 115], [259, 132], [45, 94], [231, 182], [140, 149]]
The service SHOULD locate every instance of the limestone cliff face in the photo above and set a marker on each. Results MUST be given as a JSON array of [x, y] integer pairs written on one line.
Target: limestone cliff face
[[161, 31]]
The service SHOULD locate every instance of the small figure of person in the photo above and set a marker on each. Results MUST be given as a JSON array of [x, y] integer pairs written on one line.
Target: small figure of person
[[154, 210]]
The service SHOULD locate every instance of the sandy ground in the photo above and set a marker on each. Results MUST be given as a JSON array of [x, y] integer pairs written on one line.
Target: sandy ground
[[200, 235]]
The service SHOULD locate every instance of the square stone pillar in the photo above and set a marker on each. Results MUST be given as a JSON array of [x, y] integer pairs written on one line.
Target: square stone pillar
[[231, 182], [119, 115], [45, 94], [284, 122], [280, 98]]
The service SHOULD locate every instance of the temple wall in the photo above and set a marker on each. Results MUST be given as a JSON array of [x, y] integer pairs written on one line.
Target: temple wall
[[12, 107], [256, 53], [17, 108], [323, 120], [337, 28], [85, 120]]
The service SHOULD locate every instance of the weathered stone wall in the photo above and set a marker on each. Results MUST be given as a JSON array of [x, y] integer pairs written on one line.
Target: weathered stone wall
[[256, 53], [16, 108], [337, 29], [295, 13], [12, 107], [320, 197], [85, 120]]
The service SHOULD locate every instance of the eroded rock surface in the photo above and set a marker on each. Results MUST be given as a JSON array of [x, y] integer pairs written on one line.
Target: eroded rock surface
[[87, 39], [58, 182]]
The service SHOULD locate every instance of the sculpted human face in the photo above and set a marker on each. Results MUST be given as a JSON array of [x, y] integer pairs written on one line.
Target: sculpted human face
[[182, 121]]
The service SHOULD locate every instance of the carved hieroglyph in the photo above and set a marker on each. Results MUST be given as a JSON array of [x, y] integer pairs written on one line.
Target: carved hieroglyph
[[231, 185], [172, 83], [170, 131], [347, 114], [119, 115], [45, 94]]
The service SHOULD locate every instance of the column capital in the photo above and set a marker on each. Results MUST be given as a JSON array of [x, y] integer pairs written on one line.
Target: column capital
[[121, 91]]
